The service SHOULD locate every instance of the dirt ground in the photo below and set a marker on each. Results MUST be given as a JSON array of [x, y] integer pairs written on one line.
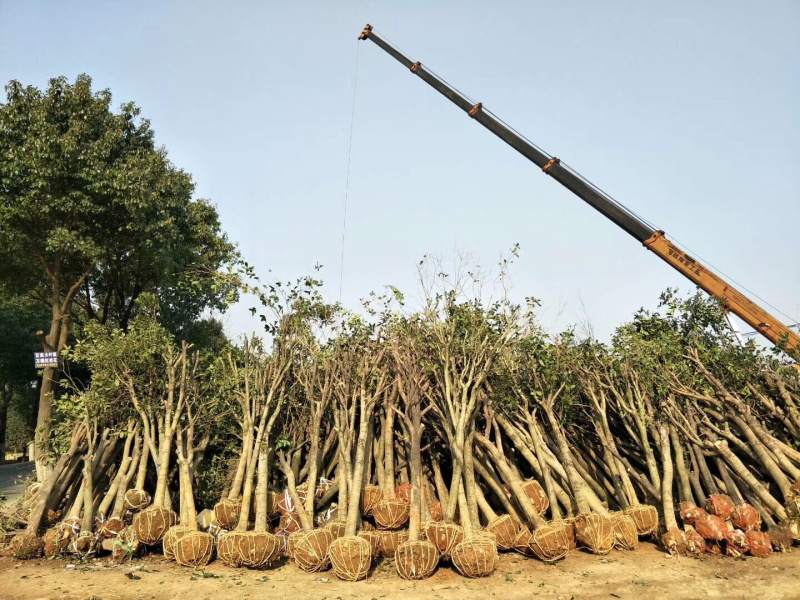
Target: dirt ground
[[646, 573]]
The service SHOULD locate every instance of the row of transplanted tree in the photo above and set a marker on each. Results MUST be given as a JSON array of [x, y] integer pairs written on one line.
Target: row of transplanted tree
[[445, 434]]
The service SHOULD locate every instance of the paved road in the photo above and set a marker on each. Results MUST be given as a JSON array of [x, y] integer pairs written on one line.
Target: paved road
[[12, 479]]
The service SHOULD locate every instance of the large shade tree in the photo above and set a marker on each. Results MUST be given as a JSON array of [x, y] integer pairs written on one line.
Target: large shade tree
[[93, 214]]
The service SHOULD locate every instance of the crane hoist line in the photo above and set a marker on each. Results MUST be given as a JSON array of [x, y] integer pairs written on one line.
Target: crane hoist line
[[652, 239]]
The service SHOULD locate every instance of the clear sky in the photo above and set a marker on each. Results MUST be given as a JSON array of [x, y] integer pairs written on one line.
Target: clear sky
[[686, 111]]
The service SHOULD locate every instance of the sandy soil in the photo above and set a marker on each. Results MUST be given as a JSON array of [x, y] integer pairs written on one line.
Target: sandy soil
[[646, 573]]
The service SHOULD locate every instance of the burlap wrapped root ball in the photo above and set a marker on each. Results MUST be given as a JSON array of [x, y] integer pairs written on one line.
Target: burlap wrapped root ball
[[445, 535], [390, 513], [55, 541], [370, 496], [475, 557], [110, 528], [746, 517], [537, 495], [645, 517], [416, 560], [594, 532], [389, 541], [226, 513], [351, 557], [171, 538], [374, 539], [625, 534], [337, 528], [152, 523], [311, 550], [690, 513], [136, 500], [505, 530], [736, 544], [194, 549], [550, 543], [125, 546], [720, 505], [711, 527], [674, 542], [760, 544], [26, 547]]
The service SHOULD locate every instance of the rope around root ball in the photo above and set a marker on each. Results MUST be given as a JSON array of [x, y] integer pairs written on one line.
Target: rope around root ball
[[351, 558], [194, 549], [416, 560], [475, 557], [311, 550]]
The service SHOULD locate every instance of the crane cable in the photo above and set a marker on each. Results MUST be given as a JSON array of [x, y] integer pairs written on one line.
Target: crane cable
[[347, 177]]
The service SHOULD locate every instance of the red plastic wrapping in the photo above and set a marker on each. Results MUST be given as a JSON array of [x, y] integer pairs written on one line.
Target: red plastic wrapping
[[720, 505], [711, 527], [746, 518], [736, 543], [690, 512], [760, 544]]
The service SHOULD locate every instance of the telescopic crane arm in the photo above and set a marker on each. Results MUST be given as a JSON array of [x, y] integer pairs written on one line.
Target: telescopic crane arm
[[654, 240]]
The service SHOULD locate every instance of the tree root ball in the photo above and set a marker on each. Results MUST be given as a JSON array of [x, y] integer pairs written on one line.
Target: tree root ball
[[645, 517], [445, 535], [291, 541], [569, 529], [537, 495], [736, 544], [311, 550], [714, 547], [136, 500], [194, 549], [690, 513], [403, 492], [522, 540], [475, 557], [351, 557], [171, 538], [336, 528], [152, 523], [125, 546], [746, 517], [595, 532], [436, 510], [56, 542], [505, 530], [550, 543], [781, 538], [84, 545], [390, 513], [370, 496], [711, 527], [416, 560], [226, 513], [674, 542], [760, 544], [26, 547], [389, 541], [252, 549], [720, 505], [110, 528], [228, 550], [626, 536], [695, 544], [374, 539], [70, 527]]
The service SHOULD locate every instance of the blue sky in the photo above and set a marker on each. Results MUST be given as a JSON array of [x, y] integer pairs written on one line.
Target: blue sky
[[688, 112]]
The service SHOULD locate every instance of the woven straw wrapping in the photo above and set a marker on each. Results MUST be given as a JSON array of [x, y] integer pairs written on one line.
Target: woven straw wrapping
[[695, 544], [136, 500], [550, 543], [595, 532], [674, 542], [625, 534], [171, 538], [445, 535], [370, 496], [152, 523], [746, 517], [416, 560], [390, 513], [388, 541], [25, 547], [351, 557], [645, 517], [374, 539], [311, 550], [475, 557], [537, 495], [194, 549], [505, 530], [226, 513]]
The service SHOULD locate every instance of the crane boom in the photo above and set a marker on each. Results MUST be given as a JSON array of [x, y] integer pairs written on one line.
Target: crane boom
[[652, 239]]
